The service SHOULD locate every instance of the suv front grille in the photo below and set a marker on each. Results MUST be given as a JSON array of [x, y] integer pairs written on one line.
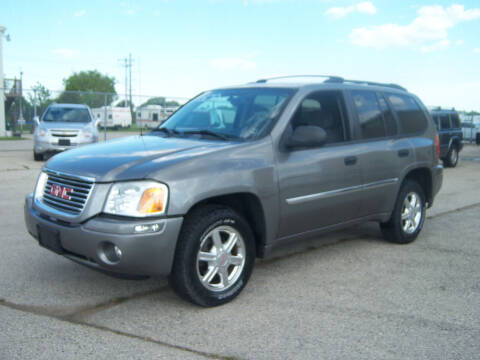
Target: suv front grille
[[75, 192]]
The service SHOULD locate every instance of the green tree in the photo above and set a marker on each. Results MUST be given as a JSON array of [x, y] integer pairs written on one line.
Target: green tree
[[41, 96], [160, 100], [87, 87]]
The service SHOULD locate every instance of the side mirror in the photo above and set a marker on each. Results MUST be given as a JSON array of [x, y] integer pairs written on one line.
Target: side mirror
[[307, 136], [98, 122]]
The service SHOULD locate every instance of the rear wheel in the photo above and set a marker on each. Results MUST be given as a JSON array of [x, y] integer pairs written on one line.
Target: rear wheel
[[408, 215], [214, 257], [452, 157], [37, 156]]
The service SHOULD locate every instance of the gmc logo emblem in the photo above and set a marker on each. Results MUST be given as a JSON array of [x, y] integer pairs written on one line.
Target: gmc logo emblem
[[60, 191]]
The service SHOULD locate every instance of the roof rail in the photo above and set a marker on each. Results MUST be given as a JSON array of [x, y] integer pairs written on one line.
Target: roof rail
[[334, 79], [329, 78], [372, 83]]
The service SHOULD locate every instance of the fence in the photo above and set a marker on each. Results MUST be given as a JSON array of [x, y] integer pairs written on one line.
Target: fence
[[111, 110]]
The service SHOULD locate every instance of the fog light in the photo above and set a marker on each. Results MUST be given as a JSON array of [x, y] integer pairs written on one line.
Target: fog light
[[118, 252], [147, 228]]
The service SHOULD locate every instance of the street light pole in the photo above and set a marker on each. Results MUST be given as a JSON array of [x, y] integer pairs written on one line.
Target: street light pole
[[2, 85]]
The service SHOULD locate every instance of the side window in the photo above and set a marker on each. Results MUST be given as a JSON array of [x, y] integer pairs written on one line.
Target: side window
[[455, 120], [445, 121], [323, 109], [435, 121], [369, 114], [410, 115], [390, 123]]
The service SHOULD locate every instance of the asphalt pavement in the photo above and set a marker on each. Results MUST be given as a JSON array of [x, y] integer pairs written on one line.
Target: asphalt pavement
[[346, 295]]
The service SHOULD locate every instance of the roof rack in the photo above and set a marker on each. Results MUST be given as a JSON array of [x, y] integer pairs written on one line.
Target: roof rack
[[335, 80]]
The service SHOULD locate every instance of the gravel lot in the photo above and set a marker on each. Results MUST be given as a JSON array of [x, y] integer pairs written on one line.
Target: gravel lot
[[347, 295]]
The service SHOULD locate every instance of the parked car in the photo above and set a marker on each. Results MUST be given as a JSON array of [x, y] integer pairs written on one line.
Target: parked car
[[216, 186], [471, 132], [450, 134], [63, 127]]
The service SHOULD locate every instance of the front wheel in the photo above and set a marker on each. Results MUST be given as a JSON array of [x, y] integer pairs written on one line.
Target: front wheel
[[214, 257], [452, 157], [37, 156], [408, 215]]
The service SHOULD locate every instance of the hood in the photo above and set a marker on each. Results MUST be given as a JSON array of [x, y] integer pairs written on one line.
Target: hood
[[129, 158]]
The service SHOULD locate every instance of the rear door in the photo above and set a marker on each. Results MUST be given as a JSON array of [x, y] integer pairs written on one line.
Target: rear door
[[382, 152], [319, 186], [444, 133]]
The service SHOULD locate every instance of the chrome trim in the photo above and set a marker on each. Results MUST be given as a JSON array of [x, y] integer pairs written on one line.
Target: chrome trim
[[311, 197], [42, 202]]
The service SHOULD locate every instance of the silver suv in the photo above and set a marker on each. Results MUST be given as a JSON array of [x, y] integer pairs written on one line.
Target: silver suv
[[236, 172], [62, 127]]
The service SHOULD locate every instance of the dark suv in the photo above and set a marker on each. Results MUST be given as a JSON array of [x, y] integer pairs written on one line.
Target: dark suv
[[236, 172], [450, 133]]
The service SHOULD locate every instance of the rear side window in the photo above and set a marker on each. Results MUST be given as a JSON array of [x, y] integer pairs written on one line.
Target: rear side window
[[369, 114], [390, 123], [455, 120], [444, 121], [410, 115]]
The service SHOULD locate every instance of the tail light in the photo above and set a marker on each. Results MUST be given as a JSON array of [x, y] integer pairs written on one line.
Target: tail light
[[437, 144]]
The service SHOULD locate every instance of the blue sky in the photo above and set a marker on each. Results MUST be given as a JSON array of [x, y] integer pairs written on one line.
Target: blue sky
[[183, 47]]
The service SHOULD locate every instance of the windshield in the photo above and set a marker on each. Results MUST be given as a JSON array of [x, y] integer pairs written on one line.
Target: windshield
[[229, 114], [67, 114]]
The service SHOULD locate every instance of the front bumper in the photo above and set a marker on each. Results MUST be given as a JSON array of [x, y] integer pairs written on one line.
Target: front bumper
[[146, 254], [42, 147]]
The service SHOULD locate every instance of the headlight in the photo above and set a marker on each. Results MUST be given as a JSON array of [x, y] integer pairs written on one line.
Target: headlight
[[42, 179], [42, 132], [138, 199]]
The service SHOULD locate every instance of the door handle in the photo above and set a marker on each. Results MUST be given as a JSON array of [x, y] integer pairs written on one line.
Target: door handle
[[350, 160], [403, 153]]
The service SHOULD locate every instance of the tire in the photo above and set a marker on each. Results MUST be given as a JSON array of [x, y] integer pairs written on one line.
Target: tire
[[37, 156], [207, 231], [451, 160], [405, 224]]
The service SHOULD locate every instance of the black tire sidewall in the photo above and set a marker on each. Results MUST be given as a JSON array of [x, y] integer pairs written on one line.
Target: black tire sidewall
[[216, 218], [394, 228]]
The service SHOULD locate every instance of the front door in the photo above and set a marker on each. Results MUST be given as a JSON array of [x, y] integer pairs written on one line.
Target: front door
[[320, 186]]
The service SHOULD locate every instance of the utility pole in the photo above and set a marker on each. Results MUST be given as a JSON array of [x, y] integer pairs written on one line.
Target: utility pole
[[2, 87], [130, 92], [127, 63]]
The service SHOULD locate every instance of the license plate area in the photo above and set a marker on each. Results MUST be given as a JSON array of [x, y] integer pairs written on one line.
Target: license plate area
[[65, 142], [50, 238]]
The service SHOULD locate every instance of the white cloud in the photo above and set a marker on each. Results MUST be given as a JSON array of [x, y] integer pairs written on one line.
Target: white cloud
[[476, 50], [66, 53], [80, 13], [364, 8], [428, 31], [232, 64]]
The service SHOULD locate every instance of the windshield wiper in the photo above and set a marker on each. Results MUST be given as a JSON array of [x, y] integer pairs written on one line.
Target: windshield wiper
[[167, 131], [208, 132]]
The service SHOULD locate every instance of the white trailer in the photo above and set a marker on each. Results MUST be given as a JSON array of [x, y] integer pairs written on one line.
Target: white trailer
[[151, 116], [117, 117]]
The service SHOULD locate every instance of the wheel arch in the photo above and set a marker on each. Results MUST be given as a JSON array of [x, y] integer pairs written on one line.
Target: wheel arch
[[247, 205], [423, 176]]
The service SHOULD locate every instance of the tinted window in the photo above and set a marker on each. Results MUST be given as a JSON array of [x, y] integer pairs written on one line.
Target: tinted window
[[369, 114], [455, 120], [411, 117], [445, 121], [323, 109], [67, 114], [390, 123]]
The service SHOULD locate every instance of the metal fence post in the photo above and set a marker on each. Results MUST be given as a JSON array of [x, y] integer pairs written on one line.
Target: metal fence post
[[105, 118]]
